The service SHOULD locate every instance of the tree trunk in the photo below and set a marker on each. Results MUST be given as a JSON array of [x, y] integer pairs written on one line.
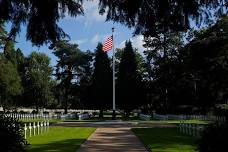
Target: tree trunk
[[101, 114], [37, 109], [66, 101], [65, 107], [127, 113]]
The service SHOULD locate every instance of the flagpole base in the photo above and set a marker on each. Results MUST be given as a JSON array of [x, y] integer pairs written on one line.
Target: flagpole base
[[114, 115]]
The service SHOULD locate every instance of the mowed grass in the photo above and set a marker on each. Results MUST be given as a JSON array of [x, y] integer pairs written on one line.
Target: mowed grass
[[59, 139], [165, 140]]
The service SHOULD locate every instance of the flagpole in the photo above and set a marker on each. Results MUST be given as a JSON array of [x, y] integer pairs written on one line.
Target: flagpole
[[113, 77]]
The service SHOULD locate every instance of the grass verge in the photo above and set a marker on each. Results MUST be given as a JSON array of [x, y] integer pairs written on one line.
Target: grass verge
[[59, 139], [165, 140]]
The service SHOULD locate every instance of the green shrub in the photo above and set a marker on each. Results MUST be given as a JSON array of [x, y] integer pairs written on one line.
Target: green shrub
[[214, 138], [11, 135]]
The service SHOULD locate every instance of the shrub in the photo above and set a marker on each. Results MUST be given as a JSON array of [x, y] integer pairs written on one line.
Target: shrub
[[45, 112], [214, 138], [11, 135], [34, 112]]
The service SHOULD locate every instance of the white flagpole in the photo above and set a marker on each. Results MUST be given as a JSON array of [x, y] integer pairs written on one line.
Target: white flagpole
[[113, 77]]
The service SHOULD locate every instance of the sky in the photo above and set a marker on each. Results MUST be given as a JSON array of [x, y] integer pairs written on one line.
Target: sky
[[86, 31]]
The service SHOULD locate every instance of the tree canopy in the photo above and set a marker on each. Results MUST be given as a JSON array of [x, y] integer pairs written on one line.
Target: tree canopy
[[101, 81], [10, 82], [147, 17], [128, 81], [72, 65], [38, 79]]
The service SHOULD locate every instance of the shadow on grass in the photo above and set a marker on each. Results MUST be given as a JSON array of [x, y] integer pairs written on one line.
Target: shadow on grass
[[165, 139], [69, 145]]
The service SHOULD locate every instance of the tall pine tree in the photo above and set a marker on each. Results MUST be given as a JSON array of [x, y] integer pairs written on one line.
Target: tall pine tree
[[129, 81], [102, 81]]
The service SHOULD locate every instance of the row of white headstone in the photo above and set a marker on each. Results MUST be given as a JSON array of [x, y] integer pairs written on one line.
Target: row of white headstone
[[83, 116], [189, 117], [144, 117], [34, 128], [28, 116], [191, 129], [43, 116]]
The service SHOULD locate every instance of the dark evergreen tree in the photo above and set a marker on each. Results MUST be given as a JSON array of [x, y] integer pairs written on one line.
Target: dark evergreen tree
[[101, 81], [128, 81], [10, 83]]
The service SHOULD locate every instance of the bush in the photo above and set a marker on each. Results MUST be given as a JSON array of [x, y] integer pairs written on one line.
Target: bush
[[34, 112], [46, 113], [214, 138], [11, 135]]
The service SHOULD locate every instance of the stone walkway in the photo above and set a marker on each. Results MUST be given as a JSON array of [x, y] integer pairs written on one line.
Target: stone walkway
[[112, 140]]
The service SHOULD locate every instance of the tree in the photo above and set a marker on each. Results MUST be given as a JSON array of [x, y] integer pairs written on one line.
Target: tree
[[205, 60], [39, 80], [3, 35], [147, 17], [41, 24], [10, 82], [128, 81], [161, 56], [153, 17], [11, 130], [102, 81], [214, 138], [193, 76], [70, 69]]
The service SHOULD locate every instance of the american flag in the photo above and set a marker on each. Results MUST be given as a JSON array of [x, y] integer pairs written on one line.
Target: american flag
[[108, 44]]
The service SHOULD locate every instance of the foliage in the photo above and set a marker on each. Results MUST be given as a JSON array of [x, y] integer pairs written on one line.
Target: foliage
[[3, 35], [38, 78], [204, 61], [41, 17], [10, 82], [72, 66], [152, 17], [214, 138], [129, 95], [147, 17], [11, 135], [190, 78], [101, 81]]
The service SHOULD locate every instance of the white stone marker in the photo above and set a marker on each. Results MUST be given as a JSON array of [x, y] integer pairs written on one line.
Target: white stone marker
[[38, 128], [41, 127], [34, 128], [45, 126], [25, 129], [30, 129]]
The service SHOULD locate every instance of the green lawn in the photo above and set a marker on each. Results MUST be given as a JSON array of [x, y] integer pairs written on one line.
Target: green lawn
[[165, 140], [59, 139]]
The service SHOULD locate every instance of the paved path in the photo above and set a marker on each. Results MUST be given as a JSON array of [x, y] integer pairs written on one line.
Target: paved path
[[112, 140]]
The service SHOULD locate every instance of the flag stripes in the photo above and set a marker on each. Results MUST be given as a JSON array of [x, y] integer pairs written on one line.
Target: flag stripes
[[108, 44]]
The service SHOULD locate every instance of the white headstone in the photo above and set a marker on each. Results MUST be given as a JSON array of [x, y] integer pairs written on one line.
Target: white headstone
[[30, 129], [34, 128], [38, 128], [25, 129]]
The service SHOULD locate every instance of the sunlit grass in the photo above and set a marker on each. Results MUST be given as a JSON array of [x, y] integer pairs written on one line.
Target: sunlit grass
[[59, 139], [165, 140]]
